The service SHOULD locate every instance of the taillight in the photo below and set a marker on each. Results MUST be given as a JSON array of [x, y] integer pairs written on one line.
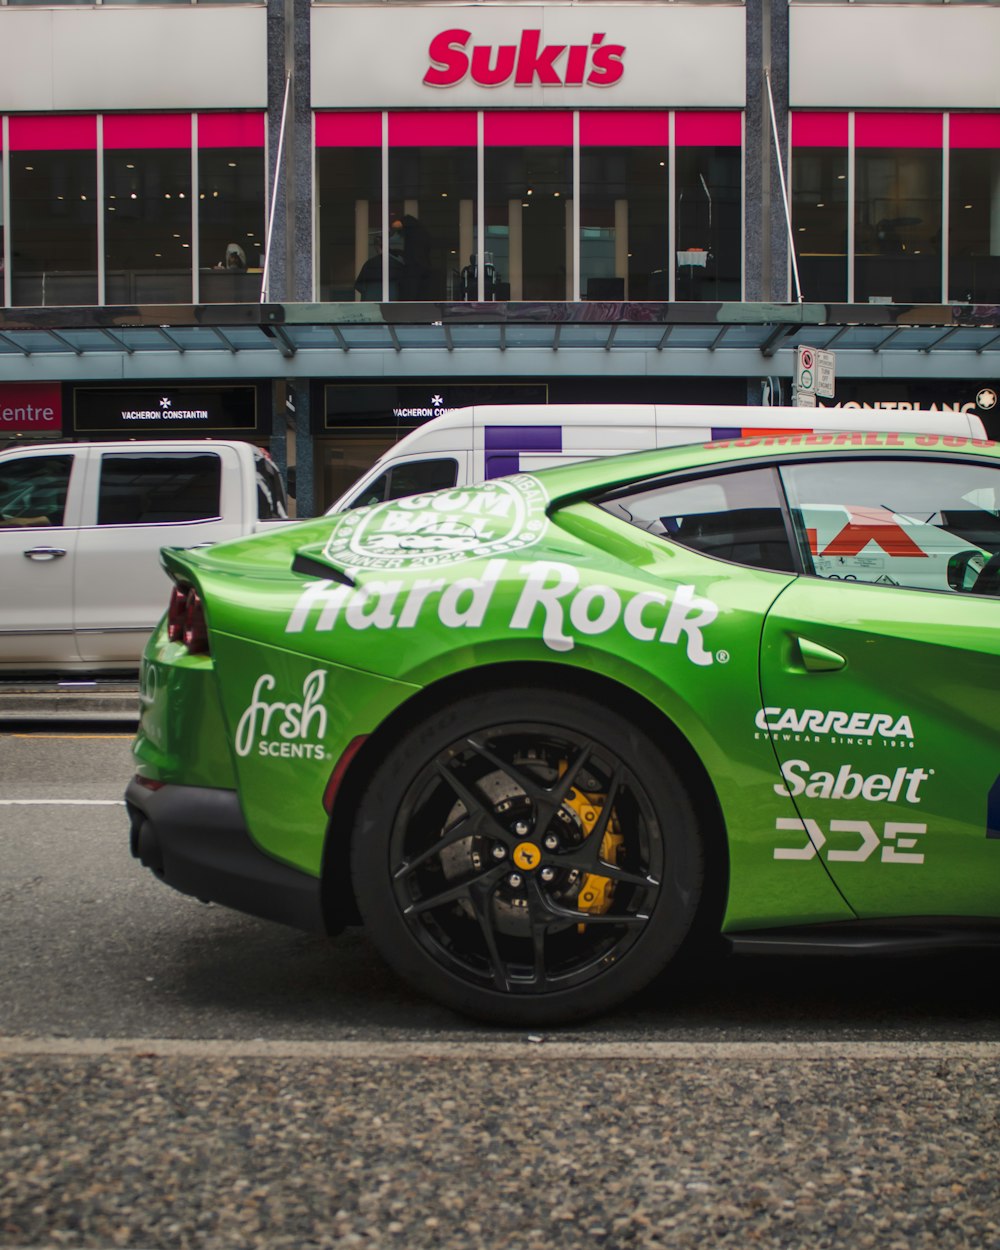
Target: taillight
[[186, 620]]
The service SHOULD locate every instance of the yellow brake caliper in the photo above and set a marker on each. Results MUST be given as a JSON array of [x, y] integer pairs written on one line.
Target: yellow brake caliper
[[596, 892]]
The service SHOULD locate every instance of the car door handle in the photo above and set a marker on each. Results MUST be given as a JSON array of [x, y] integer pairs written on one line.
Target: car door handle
[[45, 553], [819, 659]]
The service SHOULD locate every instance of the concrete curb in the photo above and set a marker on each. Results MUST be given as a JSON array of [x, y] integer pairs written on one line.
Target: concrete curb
[[53, 700]]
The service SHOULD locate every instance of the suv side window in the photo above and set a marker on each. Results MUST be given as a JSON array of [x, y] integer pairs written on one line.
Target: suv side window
[[33, 491], [145, 488], [414, 477], [923, 524], [735, 516]]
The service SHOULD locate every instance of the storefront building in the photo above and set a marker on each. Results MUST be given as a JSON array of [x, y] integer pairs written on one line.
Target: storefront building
[[322, 223]]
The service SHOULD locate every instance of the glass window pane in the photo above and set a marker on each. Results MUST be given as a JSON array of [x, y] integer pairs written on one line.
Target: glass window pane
[[432, 197], [349, 182], [53, 228], [139, 489], [624, 241], [898, 225], [732, 516], [974, 242], [230, 224], [529, 218], [33, 491], [709, 223], [909, 523], [148, 226], [819, 221], [3, 234]]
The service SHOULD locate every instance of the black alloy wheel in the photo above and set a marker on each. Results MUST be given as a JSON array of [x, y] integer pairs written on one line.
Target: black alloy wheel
[[527, 857]]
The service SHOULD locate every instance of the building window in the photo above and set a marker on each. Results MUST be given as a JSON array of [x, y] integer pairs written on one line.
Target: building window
[[535, 237], [52, 241], [708, 206], [50, 4], [144, 246], [819, 191], [148, 202], [349, 207], [231, 198], [624, 206], [528, 166], [974, 208], [3, 243], [432, 204], [897, 209]]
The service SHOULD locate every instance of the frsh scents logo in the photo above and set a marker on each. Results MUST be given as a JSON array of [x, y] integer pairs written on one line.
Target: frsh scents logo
[[289, 729]]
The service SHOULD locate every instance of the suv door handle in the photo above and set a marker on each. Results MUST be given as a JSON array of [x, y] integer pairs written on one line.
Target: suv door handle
[[45, 553], [819, 659]]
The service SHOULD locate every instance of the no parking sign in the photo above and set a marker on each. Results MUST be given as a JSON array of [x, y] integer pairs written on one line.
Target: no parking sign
[[814, 372]]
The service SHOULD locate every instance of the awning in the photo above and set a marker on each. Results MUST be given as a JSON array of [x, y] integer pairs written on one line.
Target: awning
[[276, 341]]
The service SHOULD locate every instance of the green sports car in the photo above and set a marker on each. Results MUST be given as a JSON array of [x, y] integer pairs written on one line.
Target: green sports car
[[543, 735]]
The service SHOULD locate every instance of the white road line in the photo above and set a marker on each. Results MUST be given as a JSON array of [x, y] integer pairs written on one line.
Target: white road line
[[530, 1047], [62, 802]]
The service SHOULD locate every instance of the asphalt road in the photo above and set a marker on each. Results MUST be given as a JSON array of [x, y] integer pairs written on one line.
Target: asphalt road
[[175, 1075]]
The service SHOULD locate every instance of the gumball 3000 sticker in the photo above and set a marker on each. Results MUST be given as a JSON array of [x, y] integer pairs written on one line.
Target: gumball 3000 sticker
[[425, 531]]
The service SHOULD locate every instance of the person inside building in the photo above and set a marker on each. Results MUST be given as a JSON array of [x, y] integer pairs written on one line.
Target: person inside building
[[415, 254], [368, 283], [235, 258], [470, 278]]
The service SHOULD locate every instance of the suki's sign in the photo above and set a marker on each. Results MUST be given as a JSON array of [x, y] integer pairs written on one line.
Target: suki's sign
[[455, 56], [525, 56]]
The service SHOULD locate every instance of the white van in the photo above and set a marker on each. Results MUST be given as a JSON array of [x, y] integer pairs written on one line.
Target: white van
[[468, 445]]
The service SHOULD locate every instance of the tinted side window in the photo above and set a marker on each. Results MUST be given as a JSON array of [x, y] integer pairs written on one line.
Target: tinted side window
[[146, 488], [924, 524], [732, 516], [374, 492], [413, 478], [33, 491], [420, 476]]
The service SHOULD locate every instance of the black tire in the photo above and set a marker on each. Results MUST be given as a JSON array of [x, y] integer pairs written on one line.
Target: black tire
[[482, 858]]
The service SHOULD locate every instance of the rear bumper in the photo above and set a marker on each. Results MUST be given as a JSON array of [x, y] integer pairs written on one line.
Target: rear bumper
[[196, 840]]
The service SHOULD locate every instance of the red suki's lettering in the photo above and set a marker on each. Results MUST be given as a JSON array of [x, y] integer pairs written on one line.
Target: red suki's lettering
[[529, 61]]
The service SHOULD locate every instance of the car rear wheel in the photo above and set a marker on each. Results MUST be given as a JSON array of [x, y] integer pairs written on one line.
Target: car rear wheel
[[527, 857]]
